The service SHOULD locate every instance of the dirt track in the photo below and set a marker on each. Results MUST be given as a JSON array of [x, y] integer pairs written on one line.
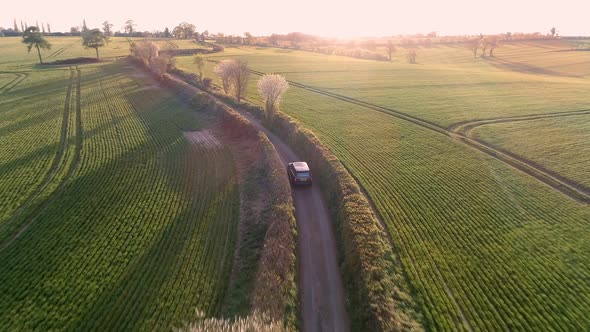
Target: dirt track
[[320, 283], [321, 288]]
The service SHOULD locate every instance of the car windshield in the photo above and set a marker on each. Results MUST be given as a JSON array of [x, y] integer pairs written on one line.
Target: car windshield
[[303, 174]]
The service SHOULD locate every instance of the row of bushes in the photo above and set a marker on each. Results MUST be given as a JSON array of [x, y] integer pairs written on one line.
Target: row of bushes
[[378, 294], [267, 253]]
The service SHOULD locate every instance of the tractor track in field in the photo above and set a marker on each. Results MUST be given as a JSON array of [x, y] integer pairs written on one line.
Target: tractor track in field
[[60, 157], [575, 192], [60, 50], [16, 81], [465, 127]]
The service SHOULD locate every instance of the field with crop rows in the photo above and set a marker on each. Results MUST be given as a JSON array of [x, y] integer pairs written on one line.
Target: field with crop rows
[[560, 144], [485, 245], [117, 210]]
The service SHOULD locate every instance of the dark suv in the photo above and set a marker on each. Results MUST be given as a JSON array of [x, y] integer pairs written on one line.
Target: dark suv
[[299, 173]]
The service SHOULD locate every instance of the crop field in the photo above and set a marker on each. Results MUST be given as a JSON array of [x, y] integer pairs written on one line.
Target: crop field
[[559, 144], [118, 210], [485, 244]]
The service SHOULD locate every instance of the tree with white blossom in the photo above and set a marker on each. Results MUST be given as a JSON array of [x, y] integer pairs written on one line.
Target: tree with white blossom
[[272, 87]]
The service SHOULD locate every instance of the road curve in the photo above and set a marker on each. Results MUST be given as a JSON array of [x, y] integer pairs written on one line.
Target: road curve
[[321, 287]]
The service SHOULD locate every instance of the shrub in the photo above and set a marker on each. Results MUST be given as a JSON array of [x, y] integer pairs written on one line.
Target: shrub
[[207, 82]]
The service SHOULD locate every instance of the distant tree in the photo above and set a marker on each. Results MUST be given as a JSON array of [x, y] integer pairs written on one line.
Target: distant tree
[[493, 42], [485, 42], [75, 31], [177, 32], [48, 28], [204, 35], [26, 26], [273, 39], [553, 31], [129, 27], [84, 26], [106, 28], [247, 38], [199, 61], [509, 35], [167, 33], [15, 26], [474, 46], [33, 38], [22, 27], [37, 24], [93, 39], [272, 87], [411, 56], [184, 30], [390, 49], [43, 27]]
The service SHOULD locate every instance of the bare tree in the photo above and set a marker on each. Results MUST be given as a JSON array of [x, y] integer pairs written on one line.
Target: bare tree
[[241, 78], [106, 28], [247, 38], [234, 75], [224, 70], [485, 42], [390, 49], [553, 31], [272, 87], [474, 46], [493, 42], [129, 27]]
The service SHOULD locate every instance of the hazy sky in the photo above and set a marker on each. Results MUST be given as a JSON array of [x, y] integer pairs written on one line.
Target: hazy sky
[[333, 18]]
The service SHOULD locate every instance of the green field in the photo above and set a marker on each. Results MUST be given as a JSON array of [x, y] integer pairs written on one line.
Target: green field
[[485, 246], [118, 209], [559, 144]]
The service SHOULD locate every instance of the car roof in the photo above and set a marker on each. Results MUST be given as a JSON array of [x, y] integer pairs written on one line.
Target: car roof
[[300, 166]]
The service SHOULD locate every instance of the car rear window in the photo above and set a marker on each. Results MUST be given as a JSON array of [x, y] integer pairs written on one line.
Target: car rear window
[[303, 174]]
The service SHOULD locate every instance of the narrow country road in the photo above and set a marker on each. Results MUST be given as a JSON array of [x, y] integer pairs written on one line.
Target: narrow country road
[[320, 284], [321, 288]]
